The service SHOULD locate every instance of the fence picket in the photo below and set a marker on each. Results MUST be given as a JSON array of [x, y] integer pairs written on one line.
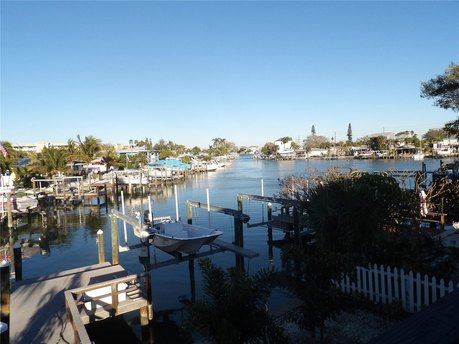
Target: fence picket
[[370, 284], [426, 290], [386, 285], [389, 285], [376, 274], [418, 292], [396, 285], [383, 284], [442, 288], [410, 280], [402, 288]]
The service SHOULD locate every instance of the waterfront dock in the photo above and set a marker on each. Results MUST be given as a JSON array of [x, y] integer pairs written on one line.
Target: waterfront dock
[[38, 305]]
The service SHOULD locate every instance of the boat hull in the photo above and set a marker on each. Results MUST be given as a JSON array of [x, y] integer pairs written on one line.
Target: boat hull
[[181, 237]]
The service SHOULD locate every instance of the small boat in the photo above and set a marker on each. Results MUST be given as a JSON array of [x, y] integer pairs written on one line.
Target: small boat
[[418, 156], [181, 237]]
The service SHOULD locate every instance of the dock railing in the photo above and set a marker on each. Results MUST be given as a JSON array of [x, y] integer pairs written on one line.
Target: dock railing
[[107, 299]]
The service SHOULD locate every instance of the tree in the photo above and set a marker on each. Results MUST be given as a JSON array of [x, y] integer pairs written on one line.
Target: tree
[[378, 143], [313, 130], [109, 156], [434, 135], [445, 90], [349, 133], [316, 141], [49, 161], [233, 306], [269, 149], [89, 148], [313, 282], [285, 139]]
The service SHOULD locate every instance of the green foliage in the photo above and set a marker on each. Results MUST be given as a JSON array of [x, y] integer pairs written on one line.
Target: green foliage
[[349, 133], [233, 307], [312, 280], [8, 162], [109, 156], [350, 211], [285, 139], [443, 88], [49, 161], [313, 130], [434, 135], [89, 148], [377, 143], [269, 149]]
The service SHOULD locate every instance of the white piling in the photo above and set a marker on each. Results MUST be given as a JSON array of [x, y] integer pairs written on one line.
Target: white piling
[[176, 203], [124, 213], [150, 215]]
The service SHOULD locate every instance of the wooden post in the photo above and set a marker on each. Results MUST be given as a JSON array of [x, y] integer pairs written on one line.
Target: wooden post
[[192, 280], [239, 235], [270, 217], [5, 299], [33, 185], [115, 259], [100, 246], [296, 225], [9, 210], [189, 213], [17, 249]]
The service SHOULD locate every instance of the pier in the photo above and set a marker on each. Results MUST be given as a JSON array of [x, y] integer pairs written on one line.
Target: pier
[[38, 311]]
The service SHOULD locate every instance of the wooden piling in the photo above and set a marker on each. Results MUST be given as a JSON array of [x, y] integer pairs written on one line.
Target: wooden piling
[[189, 213], [17, 252], [100, 246], [5, 301], [115, 253], [9, 210], [270, 217]]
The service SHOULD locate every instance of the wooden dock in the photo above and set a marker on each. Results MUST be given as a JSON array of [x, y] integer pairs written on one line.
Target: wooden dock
[[38, 313]]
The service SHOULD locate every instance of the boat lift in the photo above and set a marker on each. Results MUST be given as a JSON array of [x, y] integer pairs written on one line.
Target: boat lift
[[215, 247]]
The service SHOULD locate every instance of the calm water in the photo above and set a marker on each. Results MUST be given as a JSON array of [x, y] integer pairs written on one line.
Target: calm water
[[72, 233]]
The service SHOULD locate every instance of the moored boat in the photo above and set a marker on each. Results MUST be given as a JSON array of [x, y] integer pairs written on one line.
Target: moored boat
[[181, 237]]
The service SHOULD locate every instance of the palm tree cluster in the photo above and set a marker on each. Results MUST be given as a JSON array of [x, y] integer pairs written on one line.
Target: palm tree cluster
[[233, 309], [51, 160]]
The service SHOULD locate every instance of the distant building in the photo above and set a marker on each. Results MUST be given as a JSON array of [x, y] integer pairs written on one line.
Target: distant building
[[446, 147], [285, 149], [37, 147], [152, 155]]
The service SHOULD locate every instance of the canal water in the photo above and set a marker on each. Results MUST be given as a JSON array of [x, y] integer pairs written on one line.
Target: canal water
[[72, 233]]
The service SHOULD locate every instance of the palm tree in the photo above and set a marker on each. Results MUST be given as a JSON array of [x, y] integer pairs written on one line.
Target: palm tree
[[109, 156], [50, 161], [89, 148]]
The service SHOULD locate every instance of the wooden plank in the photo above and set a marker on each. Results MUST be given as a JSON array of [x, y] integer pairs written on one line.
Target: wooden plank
[[232, 212], [80, 333], [107, 311], [236, 249], [37, 305]]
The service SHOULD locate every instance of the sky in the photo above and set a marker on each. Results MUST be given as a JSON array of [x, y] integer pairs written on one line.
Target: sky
[[246, 71]]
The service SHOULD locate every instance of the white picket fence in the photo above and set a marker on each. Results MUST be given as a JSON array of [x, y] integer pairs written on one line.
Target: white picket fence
[[386, 285]]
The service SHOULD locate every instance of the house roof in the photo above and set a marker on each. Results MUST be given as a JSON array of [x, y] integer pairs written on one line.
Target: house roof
[[438, 323]]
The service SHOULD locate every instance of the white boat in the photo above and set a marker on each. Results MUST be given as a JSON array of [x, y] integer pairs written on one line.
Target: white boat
[[181, 237], [418, 156]]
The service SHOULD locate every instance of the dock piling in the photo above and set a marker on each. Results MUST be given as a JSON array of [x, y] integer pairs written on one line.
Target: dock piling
[[114, 239], [5, 299], [100, 246], [17, 252]]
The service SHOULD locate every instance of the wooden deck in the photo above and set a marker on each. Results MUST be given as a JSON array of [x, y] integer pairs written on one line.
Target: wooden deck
[[38, 312]]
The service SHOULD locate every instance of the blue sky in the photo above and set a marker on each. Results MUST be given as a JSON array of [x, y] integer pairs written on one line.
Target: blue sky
[[249, 72]]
